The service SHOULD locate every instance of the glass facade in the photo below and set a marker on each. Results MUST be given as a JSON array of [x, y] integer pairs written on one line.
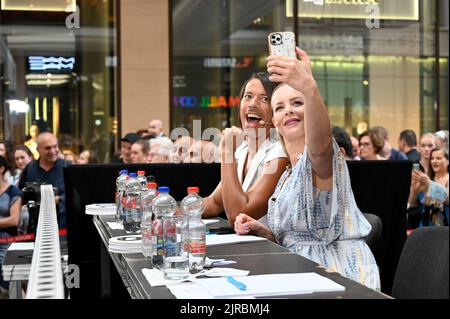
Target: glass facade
[[376, 62], [58, 67]]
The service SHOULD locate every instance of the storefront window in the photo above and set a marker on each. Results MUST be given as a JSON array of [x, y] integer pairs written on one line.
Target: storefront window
[[216, 46], [57, 61], [374, 61]]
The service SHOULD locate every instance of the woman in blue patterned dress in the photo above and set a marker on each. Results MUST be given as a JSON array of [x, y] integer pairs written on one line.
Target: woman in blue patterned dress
[[312, 211]]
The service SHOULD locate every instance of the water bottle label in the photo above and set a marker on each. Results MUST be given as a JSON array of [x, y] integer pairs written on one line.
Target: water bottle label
[[197, 247]]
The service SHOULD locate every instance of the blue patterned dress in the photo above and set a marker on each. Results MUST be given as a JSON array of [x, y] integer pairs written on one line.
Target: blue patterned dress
[[324, 226]]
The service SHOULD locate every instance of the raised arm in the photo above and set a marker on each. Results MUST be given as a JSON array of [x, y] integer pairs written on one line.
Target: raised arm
[[298, 75]]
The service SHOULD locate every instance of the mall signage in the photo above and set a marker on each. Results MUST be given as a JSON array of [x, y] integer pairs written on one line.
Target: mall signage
[[49, 64], [206, 101], [356, 9]]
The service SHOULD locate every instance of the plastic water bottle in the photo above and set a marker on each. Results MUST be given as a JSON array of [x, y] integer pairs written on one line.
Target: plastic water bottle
[[142, 179], [163, 205], [193, 207], [120, 190], [147, 219], [132, 207]]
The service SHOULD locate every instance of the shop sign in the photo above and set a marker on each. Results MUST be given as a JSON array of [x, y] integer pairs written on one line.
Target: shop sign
[[227, 62], [206, 101], [47, 64], [356, 9]]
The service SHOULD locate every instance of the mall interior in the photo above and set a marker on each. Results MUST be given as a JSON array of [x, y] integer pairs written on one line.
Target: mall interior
[[132, 61], [91, 71]]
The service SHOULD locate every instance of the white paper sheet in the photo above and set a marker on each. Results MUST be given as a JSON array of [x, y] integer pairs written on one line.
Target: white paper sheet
[[212, 240], [189, 291], [115, 226], [270, 285], [21, 246], [101, 209], [210, 221]]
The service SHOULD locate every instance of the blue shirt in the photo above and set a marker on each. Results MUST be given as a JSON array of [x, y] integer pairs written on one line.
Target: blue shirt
[[397, 155], [33, 172]]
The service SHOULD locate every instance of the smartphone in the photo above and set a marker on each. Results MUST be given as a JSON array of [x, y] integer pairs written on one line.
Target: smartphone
[[282, 43], [416, 166]]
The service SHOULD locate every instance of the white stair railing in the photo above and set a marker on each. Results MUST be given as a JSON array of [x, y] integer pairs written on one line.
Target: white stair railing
[[46, 278]]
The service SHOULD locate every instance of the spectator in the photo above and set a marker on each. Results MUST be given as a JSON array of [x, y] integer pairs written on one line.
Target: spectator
[[313, 211], [355, 147], [371, 144], [442, 138], [155, 128], [125, 148], [88, 157], [407, 143], [202, 152], [31, 143], [143, 132], [6, 150], [48, 169], [160, 150], [388, 152], [426, 144], [425, 209], [10, 206], [69, 157], [343, 140], [140, 152], [22, 157], [180, 150]]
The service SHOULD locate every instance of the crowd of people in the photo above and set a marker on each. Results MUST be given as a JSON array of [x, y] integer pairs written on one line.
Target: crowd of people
[[284, 170]]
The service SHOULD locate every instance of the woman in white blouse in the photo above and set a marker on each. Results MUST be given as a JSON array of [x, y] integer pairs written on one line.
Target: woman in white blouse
[[252, 161], [312, 211]]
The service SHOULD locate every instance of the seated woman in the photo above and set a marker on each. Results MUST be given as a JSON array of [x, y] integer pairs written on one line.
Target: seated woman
[[312, 211], [249, 171], [428, 199], [10, 205]]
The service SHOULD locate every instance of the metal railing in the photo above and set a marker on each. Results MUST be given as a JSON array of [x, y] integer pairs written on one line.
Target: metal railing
[[46, 277]]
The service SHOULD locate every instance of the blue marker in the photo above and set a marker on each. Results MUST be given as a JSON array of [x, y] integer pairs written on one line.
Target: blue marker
[[236, 283]]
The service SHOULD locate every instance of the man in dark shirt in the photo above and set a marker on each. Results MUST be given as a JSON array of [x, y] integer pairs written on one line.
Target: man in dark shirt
[[407, 143], [48, 169]]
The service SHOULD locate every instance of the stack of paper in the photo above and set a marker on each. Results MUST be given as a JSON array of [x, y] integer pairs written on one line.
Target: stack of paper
[[270, 285], [129, 244], [101, 209]]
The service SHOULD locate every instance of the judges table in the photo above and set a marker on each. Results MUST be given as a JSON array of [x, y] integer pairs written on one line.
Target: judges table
[[263, 257]]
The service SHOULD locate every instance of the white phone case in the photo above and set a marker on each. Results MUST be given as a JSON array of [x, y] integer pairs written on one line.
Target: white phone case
[[282, 43]]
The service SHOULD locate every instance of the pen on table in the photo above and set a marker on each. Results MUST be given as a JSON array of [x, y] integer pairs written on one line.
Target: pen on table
[[236, 283]]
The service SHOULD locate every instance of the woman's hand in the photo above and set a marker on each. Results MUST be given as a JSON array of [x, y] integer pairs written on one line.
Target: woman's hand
[[296, 73], [420, 181], [231, 139], [245, 225]]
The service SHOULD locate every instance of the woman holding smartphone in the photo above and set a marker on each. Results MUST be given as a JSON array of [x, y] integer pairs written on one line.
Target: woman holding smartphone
[[312, 211], [252, 160]]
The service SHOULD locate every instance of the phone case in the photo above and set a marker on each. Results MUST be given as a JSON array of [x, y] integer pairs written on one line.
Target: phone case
[[282, 43]]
